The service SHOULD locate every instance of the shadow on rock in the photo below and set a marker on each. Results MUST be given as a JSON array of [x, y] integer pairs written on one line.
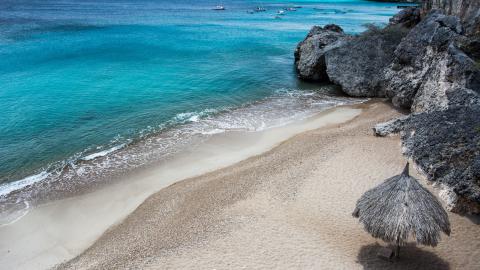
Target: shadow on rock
[[411, 257]]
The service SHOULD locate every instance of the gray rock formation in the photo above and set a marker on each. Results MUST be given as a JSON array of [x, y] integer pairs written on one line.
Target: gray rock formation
[[397, 1], [428, 65], [471, 46], [434, 71], [445, 146], [310, 53], [408, 17], [390, 127], [357, 65], [467, 10]]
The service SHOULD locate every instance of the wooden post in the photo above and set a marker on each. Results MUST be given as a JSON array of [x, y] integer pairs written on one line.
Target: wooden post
[[397, 249]]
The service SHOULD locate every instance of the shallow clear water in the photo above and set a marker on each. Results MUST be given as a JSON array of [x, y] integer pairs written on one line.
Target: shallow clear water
[[89, 88]]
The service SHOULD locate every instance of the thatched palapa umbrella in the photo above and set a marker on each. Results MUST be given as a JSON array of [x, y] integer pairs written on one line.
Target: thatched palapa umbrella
[[399, 208]]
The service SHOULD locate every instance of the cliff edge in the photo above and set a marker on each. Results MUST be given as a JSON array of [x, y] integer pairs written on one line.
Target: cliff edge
[[427, 60]]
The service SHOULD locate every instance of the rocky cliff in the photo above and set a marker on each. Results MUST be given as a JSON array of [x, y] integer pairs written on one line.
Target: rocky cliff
[[428, 65], [310, 53], [425, 60], [467, 10]]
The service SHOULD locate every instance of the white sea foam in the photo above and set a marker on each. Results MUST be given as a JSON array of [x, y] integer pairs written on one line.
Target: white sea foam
[[154, 144], [5, 189], [103, 153], [213, 131], [11, 216]]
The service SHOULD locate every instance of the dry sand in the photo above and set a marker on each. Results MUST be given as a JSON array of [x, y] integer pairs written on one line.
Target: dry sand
[[289, 208]]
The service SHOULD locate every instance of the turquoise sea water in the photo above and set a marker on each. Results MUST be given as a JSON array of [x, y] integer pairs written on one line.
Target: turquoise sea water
[[92, 87]]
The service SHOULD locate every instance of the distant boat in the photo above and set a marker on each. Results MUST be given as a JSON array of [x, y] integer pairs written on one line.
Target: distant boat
[[219, 7], [291, 9], [281, 12], [260, 9]]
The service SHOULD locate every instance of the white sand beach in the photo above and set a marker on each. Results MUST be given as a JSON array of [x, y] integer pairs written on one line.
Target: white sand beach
[[288, 208], [60, 230]]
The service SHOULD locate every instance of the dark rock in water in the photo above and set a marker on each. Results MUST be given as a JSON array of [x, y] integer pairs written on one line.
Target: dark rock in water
[[428, 65], [408, 17], [310, 53], [333, 27], [357, 64]]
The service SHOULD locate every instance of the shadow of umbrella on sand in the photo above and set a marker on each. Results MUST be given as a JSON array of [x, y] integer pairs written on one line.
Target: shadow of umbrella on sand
[[401, 208], [418, 258]]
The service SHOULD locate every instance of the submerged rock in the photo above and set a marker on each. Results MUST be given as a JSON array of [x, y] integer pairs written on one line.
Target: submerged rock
[[357, 64], [310, 53]]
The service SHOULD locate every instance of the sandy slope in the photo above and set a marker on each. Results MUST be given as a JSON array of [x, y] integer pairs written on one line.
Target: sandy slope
[[289, 208], [60, 230]]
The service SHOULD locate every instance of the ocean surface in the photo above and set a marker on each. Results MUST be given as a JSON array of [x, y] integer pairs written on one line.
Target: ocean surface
[[91, 89]]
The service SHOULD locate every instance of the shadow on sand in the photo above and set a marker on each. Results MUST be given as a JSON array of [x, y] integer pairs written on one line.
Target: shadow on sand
[[411, 257]]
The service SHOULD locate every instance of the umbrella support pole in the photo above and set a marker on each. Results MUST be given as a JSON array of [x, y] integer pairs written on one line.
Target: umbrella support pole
[[397, 249]]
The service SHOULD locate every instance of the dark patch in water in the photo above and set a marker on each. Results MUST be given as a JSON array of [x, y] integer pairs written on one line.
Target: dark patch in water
[[87, 117], [28, 29]]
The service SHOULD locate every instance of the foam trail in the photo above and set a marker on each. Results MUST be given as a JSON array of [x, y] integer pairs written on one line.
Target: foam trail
[[186, 130], [5, 189], [103, 153]]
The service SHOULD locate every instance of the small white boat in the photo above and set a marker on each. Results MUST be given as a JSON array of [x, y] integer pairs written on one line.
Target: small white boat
[[260, 9], [281, 12], [219, 7], [291, 9]]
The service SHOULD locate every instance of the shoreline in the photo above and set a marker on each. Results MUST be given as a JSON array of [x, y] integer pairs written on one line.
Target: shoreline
[[289, 207], [69, 226], [87, 171]]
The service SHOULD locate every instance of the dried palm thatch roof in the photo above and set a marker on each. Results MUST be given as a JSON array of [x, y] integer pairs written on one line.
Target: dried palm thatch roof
[[399, 208]]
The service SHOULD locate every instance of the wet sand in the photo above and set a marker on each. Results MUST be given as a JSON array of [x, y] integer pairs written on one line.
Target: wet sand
[[288, 208]]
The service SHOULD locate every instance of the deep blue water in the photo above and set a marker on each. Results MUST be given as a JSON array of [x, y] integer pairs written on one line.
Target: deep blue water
[[82, 79]]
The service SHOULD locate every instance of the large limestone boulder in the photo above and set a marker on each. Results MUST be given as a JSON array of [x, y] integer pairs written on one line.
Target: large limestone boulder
[[428, 65], [310, 53], [357, 65], [444, 146], [454, 72]]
